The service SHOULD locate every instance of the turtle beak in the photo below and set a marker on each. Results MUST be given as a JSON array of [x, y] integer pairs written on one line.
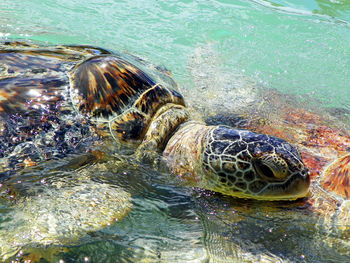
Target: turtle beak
[[297, 186]]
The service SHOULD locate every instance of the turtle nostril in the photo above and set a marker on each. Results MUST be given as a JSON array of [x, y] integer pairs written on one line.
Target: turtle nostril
[[305, 172]]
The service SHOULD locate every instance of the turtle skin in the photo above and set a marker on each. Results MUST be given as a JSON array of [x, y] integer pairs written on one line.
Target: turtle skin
[[63, 100]]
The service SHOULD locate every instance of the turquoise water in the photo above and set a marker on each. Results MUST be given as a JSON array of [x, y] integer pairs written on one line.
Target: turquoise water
[[297, 47]]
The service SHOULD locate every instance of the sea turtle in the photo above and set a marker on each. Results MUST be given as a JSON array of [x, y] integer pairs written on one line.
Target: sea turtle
[[62, 102]]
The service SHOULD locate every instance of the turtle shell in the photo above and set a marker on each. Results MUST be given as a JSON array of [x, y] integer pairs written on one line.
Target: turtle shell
[[116, 94], [62, 100]]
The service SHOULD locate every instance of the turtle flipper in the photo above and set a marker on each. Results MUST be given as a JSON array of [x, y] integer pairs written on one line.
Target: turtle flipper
[[336, 177]]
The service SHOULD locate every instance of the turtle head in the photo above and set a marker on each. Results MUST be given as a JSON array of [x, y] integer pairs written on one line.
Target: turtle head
[[245, 164]]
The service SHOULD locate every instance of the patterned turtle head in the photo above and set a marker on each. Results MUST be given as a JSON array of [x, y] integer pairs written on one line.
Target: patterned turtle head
[[245, 164]]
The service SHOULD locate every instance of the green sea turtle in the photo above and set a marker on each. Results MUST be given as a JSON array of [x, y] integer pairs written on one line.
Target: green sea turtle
[[282, 231], [63, 102]]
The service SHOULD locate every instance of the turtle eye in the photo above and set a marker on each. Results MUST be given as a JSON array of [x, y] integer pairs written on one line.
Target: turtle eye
[[271, 167], [265, 171]]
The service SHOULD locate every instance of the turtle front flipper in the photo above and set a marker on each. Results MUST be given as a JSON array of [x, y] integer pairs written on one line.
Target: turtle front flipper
[[336, 177], [163, 124], [331, 196]]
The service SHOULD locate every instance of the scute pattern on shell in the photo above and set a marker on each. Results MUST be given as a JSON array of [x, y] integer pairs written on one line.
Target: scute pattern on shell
[[119, 96], [103, 86]]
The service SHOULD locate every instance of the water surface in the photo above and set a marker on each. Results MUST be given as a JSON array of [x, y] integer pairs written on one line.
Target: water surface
[[224, 53]]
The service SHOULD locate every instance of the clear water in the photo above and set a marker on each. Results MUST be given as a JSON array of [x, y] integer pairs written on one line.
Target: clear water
[[297, 47]]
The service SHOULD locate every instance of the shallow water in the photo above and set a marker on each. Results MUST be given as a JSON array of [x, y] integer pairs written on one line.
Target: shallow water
[[224, 53], [293, 46]]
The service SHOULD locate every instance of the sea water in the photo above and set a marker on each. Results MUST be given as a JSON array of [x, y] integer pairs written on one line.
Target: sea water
[[295, 46], [301, 48]]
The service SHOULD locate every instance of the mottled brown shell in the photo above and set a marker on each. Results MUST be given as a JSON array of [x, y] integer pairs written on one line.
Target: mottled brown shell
[[62, 100], [118, 96]]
